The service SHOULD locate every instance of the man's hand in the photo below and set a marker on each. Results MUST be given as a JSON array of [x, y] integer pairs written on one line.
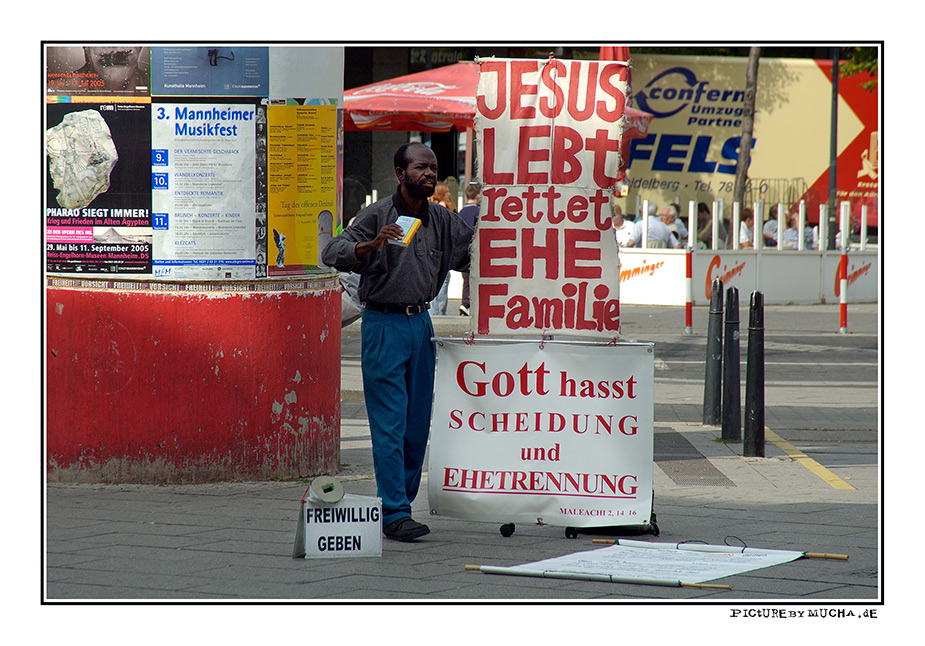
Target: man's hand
[[388, 232]]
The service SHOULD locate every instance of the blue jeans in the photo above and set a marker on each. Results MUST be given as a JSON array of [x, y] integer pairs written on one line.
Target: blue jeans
[[398, 361]]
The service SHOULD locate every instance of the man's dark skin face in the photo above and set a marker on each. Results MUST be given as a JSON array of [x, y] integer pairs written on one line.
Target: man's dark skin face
[[417, 183], [419, 179]]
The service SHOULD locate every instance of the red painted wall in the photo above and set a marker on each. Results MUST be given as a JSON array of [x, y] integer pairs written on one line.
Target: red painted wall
[[153, 386]]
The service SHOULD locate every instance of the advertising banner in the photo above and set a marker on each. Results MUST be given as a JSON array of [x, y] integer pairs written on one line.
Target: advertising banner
[[863, 278], [652, 276], [211, 71], [203, 184], [692, 147], [737, 269], [555, 433], [98, 198], [302, 184], [545, 259]]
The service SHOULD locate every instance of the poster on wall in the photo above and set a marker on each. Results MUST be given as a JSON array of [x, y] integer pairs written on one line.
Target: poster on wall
[[302, 185], [111, 70], [555, 433], [260, 177], [545, 259], [212, 71], [98, 197], [698, 104], [203, 179]]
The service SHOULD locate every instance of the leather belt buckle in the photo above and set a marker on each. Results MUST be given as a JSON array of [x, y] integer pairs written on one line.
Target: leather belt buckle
[[410, 310]]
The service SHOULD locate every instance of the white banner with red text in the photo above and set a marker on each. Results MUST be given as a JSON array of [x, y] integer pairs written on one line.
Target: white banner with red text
[[544, 258], [657, 276], [559, 433]]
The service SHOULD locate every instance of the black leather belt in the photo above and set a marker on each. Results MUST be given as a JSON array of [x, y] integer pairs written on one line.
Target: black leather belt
[[395, 308]]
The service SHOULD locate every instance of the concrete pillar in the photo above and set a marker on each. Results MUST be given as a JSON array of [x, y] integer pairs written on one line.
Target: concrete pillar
[[150, 381]]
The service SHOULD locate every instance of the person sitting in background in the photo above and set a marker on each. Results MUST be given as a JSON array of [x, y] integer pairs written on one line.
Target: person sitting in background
[[790, 238], [705, 231], [659, 236], [680, 227], [747, 229], [769, 230], [623, 229]]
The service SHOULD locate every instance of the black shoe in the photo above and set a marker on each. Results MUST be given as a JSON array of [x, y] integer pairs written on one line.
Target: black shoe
[[405, 529]]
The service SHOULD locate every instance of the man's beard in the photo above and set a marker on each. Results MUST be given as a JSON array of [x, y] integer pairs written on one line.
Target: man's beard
[[419, 192]]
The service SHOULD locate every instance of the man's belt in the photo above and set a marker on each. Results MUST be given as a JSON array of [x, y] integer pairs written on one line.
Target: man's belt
[[395, 308]]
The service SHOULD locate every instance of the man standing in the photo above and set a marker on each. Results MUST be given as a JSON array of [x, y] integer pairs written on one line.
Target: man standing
[[398, 357]]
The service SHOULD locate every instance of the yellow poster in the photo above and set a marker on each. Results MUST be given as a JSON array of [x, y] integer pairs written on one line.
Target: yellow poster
[[301, 184]]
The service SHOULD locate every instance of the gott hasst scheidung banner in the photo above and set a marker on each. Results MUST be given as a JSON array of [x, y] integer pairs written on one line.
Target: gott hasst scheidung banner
[[549, 137], [555, 433]]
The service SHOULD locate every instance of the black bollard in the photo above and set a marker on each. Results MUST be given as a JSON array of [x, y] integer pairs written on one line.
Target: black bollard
[[732, 398], [712, 402], [753, 444]]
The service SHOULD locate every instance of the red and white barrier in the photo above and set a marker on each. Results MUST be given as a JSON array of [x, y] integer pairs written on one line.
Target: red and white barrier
[[845, 222], [689, 290], [684, 277]]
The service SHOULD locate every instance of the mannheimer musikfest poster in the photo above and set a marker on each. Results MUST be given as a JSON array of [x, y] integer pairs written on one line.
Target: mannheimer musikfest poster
[[203, 182]]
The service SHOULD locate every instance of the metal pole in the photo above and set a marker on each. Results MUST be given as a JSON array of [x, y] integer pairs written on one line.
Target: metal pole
[[689, 290], [732, 398], [753, 444], [712, 402], [829, 243]]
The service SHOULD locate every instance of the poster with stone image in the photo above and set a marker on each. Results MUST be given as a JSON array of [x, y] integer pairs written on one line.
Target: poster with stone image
[[98, 190]]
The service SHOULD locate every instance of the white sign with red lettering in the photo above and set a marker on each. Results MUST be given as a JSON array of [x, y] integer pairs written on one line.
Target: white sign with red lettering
[[557, 433], [545, 258]]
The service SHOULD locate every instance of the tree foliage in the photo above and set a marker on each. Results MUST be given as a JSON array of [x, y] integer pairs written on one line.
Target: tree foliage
[[861, 60]]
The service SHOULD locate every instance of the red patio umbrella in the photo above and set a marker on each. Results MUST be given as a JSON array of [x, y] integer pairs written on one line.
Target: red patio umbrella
[[434, 100]]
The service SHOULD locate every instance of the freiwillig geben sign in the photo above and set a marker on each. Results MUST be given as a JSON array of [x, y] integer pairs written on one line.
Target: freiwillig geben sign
[[545, 258]]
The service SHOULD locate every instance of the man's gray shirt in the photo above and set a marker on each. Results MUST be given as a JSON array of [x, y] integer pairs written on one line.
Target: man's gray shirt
[[402, 275]]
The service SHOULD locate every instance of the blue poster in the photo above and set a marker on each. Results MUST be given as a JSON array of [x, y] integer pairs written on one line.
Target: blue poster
[[211, 71]]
